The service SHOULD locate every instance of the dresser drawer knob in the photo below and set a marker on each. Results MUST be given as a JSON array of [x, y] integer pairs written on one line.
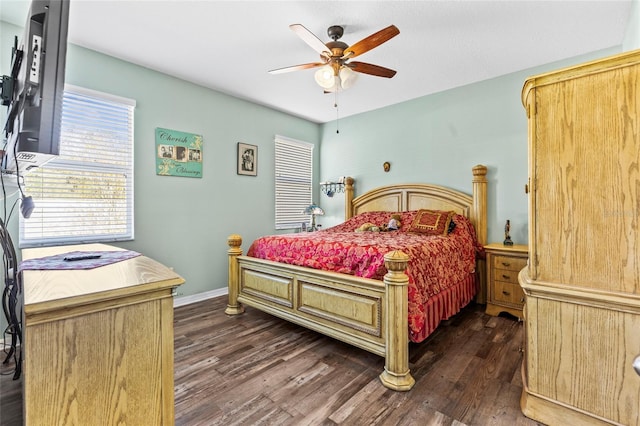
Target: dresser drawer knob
[[506, 293], [506, 264], [506, 277]]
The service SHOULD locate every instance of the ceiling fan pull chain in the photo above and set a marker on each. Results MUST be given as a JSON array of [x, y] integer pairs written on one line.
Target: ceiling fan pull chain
[[335, 105]]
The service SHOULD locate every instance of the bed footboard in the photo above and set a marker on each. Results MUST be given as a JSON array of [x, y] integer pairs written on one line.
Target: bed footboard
[[366, 313]]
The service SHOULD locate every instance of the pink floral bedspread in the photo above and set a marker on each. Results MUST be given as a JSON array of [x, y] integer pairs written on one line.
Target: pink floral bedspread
[[436, 262]]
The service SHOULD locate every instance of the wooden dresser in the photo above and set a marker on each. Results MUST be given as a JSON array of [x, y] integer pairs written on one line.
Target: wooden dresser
[[98, 343], [582, 285], [503, 265]]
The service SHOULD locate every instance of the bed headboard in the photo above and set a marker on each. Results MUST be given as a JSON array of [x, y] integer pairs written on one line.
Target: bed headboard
[[396, 198], [415, 196]]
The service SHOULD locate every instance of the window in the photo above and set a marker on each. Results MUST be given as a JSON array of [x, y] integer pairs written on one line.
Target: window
[[86, 193], [294, 173]]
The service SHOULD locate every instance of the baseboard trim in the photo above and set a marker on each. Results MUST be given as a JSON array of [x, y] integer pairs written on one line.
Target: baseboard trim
[[193, 298]]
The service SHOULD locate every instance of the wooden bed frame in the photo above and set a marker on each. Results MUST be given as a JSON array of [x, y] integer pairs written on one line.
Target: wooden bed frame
[[369, 314]]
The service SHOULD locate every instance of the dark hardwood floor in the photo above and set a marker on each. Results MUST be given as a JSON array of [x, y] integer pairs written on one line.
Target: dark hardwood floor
[[257, 369]]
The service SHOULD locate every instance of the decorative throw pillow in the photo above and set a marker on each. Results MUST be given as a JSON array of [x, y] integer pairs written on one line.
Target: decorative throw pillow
[[431, 222]]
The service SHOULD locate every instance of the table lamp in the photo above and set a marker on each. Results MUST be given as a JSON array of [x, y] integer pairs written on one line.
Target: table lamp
[[313, 210]]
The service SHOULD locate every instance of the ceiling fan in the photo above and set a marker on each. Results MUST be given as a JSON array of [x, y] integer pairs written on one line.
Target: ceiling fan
[[336, 69]]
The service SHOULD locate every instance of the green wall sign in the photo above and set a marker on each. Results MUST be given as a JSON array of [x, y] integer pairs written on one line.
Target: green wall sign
[[178, 153]]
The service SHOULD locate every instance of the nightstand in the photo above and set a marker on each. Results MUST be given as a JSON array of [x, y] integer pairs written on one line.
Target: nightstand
[[503, 265]]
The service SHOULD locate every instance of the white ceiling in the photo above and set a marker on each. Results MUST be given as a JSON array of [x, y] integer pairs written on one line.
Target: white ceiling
[[230, 45]]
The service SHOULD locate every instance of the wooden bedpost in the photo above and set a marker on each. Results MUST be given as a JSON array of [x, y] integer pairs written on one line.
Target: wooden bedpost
[[348, 197], [479, 217], [234, 307], [396, 373], [479, 220]]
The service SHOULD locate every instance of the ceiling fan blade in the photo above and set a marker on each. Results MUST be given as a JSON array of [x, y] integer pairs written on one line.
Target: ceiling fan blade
[[297, 67], [370, 42], [371, 69], [311, 39]]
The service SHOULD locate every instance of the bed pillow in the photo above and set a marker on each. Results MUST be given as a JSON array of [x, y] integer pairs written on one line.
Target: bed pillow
[[431, 222], [409, 216], [377, 218], [406, 218]]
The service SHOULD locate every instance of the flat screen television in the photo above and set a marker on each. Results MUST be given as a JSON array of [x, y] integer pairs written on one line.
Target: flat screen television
[[36, 86]]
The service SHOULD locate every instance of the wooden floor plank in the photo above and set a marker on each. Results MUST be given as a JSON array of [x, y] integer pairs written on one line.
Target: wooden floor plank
[[255, 369]]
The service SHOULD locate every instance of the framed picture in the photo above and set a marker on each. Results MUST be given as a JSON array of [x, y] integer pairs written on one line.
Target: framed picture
[[178, 153], [247, 159]]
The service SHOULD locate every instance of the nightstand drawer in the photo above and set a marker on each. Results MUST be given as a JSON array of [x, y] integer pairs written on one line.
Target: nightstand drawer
[[506, 275], [507, 292], [504, 293], [510, 263]]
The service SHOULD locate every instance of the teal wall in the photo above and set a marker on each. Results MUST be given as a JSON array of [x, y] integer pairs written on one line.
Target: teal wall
[[438, 139], [632, 33]]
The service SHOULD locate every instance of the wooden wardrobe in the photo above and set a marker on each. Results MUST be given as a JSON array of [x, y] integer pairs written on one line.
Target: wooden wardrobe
[[582, 282]]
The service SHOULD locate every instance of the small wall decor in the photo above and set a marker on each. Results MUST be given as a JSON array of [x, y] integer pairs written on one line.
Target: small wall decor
[[247, 159], [178, 153], [386, 166]]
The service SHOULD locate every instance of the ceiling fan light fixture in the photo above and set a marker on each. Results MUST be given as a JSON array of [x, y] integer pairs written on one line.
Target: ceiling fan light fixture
[[325, 77], [347, 77]]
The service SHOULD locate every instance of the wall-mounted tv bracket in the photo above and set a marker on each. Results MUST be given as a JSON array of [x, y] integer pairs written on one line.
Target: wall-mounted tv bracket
[[6, 90], [8, 81]]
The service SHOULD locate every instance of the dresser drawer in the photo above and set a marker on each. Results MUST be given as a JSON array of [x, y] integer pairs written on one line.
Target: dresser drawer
[[507, 292], [506, 275], [509, 263]]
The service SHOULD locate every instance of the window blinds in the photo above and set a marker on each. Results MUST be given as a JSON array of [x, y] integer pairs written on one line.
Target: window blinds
[[86, 193], [294, 174]]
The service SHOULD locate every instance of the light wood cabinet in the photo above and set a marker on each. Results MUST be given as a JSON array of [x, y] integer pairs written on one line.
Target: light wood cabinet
[[98, 343], [503, 265], [582, 284]]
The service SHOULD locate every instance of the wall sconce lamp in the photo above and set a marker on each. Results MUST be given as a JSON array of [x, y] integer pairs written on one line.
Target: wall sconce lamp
[[329, 188], [313, 210]]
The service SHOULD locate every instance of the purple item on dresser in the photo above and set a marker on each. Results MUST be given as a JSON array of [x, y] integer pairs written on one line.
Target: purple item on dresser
[[58, 262]]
